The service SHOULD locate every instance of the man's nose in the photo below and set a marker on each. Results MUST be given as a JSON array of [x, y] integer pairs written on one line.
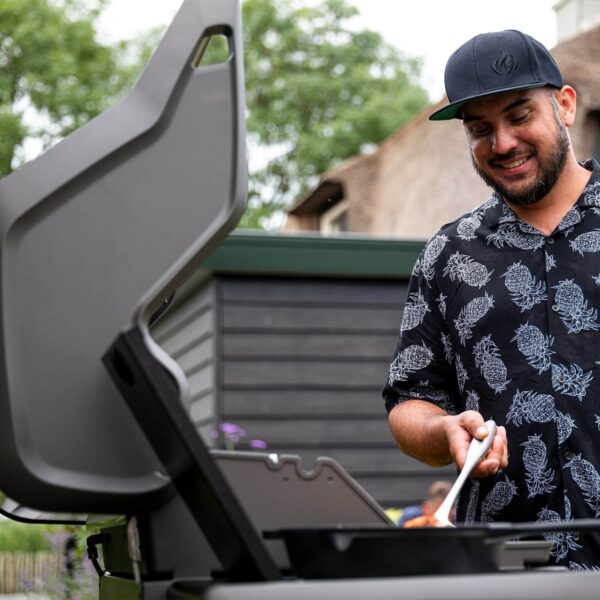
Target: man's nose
[[504, 140]]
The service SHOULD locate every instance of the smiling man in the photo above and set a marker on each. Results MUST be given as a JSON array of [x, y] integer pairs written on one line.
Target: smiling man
[[502, 316]]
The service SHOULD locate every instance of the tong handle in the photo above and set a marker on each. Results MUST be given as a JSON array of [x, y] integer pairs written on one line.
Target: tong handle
[[477, 450]]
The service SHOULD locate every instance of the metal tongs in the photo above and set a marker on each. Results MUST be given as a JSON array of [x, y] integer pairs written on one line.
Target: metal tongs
[[477, 450]]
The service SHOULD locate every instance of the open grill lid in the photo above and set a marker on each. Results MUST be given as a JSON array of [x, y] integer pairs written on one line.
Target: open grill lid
[[95, 234]]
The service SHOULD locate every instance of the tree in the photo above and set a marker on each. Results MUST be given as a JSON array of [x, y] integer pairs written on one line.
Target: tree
[[317, 92], [53, 67]]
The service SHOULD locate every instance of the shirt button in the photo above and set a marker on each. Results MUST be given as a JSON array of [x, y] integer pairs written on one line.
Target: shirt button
[[569, 455], [555, 307]]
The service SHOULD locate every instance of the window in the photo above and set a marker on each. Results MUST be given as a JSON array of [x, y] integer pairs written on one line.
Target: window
[[335, 219]]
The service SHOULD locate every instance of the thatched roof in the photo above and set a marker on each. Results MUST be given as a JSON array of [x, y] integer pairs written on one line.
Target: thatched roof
[[421, 177]]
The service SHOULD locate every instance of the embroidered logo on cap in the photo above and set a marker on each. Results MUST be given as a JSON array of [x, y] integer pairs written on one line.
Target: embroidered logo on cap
[[505, 64]]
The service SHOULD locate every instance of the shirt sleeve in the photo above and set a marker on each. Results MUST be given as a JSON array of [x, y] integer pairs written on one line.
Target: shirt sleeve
[[423, 363]]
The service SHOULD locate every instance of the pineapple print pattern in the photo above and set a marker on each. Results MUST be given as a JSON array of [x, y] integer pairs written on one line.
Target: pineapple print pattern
[[586, 242], [411, 359], [467, 227], [569, 221], [470, 314], [487, 359], [535, 459], [564, 426], [432, 252], [564, 541], [524, 290], [514, 237], [534, 345], [573, 308], [504, 320], [571, 380], [463, 268], [591, 194], [586, 477], [530, 407], [500, 496], [414, 311]]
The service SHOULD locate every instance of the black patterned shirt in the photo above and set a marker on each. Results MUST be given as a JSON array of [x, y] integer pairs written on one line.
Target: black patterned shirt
[[505, 320]]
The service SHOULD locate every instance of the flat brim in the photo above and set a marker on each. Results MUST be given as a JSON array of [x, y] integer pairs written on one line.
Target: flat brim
[[452, 110]]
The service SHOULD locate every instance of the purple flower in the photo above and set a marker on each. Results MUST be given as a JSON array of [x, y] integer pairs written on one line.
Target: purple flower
[[231, 429], [257, 444]]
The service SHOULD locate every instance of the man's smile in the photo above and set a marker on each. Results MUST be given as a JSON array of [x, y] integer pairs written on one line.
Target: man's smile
[[513, 165]]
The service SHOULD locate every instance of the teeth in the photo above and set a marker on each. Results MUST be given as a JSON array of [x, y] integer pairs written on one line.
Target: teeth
[[512, 165]]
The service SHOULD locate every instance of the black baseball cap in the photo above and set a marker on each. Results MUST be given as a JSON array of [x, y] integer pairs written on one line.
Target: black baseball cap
[[492, 63]]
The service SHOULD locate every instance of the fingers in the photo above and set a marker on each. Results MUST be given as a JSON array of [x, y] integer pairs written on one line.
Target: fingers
[[496, 458], [462, 428], [504, 459], [473, 422]]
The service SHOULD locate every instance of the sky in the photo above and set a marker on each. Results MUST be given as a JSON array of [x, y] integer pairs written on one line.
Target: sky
[[431, 29]]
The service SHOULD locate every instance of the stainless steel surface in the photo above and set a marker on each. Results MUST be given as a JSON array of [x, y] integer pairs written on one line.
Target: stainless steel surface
[[518, 586]]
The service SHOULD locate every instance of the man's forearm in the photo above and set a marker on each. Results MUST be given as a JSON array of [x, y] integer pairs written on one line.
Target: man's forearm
[[419, 429]]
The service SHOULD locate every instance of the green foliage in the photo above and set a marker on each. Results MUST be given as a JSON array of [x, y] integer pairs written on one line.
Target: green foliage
[[52, 64], [22, 537], [318, 91]]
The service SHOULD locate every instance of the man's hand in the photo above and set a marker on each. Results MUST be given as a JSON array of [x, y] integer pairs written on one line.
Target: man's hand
[[431, 435], [461, 429]]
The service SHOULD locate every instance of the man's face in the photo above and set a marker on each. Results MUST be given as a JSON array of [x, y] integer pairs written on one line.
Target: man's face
[[518, 143]]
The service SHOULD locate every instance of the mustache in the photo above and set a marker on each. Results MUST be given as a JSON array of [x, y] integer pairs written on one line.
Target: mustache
[[512, 154]]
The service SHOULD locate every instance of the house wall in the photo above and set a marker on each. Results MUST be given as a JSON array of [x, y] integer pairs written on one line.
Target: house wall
[[426, 179], [302, 362]]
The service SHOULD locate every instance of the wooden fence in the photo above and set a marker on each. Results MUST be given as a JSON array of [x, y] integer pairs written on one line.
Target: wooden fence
[[29, 571]]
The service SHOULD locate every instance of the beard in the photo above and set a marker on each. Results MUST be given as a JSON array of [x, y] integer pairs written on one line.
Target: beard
[[550, 170]]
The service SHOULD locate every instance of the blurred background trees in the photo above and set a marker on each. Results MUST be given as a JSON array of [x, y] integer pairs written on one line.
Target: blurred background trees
[[54, 73], [318, 90]]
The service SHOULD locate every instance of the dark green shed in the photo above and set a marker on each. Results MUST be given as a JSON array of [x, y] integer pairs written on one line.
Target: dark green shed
[[290, 338]]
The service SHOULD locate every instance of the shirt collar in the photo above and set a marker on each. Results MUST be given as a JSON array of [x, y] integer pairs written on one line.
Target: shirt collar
[[590, 197]]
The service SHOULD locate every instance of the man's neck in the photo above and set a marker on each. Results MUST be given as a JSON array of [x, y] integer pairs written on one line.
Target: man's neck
[[546, 214]]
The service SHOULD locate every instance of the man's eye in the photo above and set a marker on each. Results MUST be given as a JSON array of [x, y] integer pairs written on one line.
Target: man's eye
[[520, 117], [479, 130]]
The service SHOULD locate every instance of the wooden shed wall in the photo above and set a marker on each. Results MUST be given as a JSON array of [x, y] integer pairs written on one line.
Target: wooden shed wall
[[302, 362], [188, 333]]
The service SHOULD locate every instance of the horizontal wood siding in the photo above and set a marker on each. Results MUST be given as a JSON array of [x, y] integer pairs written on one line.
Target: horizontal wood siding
[[187, 333], [302, 365]]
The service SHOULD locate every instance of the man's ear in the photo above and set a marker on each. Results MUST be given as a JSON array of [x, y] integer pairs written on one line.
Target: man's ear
[[567, 104]]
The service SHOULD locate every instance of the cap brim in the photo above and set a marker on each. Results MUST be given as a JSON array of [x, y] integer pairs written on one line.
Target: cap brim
[[452, 110]]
